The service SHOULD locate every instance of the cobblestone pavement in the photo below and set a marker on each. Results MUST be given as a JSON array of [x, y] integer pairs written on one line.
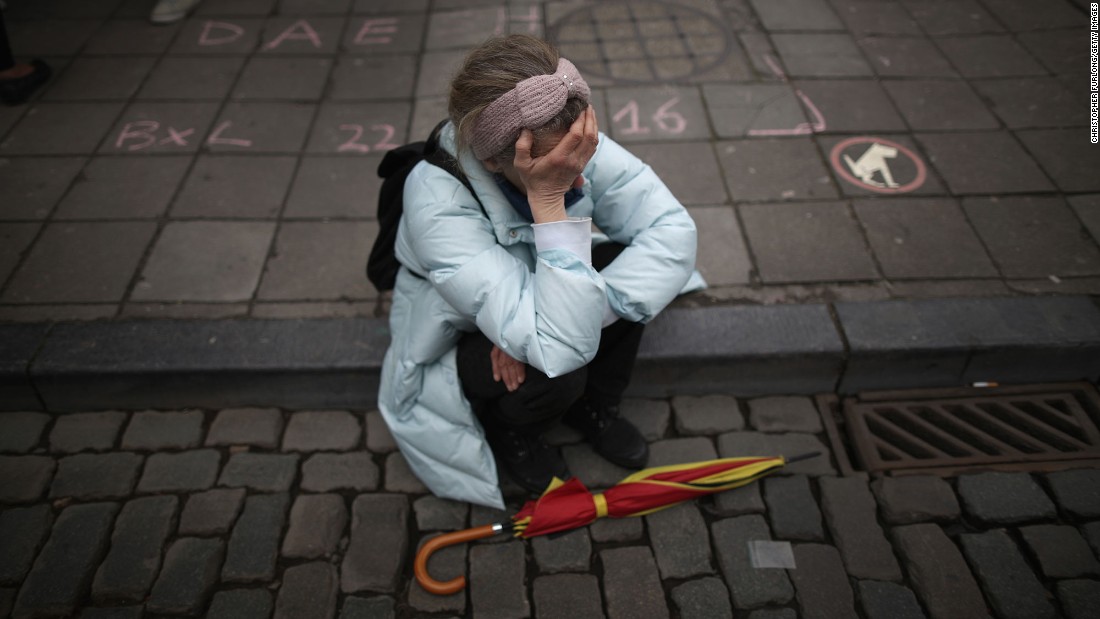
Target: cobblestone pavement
[[260, 512], [828, 149]]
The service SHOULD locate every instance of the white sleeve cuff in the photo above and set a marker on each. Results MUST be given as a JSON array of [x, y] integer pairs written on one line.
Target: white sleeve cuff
[[573, 234]]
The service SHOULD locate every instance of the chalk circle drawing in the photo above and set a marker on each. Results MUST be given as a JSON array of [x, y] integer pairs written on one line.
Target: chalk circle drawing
[[817, 126], [602, 39], [873, 164]]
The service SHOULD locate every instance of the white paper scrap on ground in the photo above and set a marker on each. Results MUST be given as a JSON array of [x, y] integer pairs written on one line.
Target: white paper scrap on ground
[[768, 554]]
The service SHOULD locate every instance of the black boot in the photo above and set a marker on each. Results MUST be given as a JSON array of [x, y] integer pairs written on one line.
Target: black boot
[[16, 90], [529, 461], [613, 437]]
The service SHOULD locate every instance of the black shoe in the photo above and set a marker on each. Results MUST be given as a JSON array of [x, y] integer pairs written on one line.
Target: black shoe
[[529, 461], [17, 90], [613, 437]]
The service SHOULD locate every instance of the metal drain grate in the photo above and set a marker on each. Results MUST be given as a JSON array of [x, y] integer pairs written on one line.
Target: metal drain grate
[[903, 431]]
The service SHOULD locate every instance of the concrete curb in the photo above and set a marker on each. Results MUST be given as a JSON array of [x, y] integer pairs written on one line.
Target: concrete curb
[[743, 350]]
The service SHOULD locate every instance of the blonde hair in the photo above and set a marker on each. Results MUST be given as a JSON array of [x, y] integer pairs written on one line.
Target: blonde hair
[[490, 71]]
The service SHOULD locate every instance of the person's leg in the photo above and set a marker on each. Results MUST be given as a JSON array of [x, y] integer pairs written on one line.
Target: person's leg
[[7, 61], [515, 421], [18, 80]]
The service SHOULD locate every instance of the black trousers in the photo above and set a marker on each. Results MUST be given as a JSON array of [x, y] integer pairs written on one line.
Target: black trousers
[[6, 59], [540, 401]]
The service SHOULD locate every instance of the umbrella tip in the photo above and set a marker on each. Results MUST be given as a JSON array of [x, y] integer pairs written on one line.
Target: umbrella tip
[[804, 456]]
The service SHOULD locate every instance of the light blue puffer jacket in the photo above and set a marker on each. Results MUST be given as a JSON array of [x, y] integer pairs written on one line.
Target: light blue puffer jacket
[[478, 272]]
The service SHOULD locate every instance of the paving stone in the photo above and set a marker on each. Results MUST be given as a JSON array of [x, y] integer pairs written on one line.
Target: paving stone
[[1004, 498], [325, 472], [774, 169], [497, 576], [963, 160], [1088, 209], [262, 127], [400, 478], [366, 78], [1031, 102], [380, 607], [820, 55], [321, 430], [295, 79], [1060, 153], [590, 468], [1007, 227], [681, 451], [308, 590], [22, 532], [1061, 551], [913, 499], [950, 18], [850, 513], [796, 15], [1080, 598], [681, 545], [566, 596], [723, 258], [235, 186], [706, 415], [938, 572], [864, 17], [60, 128], [792, 509], [905, 57], [123, 188], [191, 78], [24, 478], [616, 530], [155, 430], [1009, 584], [246, 426], [706, 598], [188, 578], [367, 127], [632, 587], [569, 551], [15, 239], [741, 110], [436, 514], [821, 583], [774, 613], [1092, 534], [335, 187], [128, 36], [689, 169], [848, 106], [317, 523], [100, 78], [80, 262], [989, 56], [887, 600], [96, 476], [241, 604], [906, 246], [254, 544], [739, 501], [263, 472], [301, 246], [650, 417], [119, 612], [176, 472], [807, 242], [744, 444], [20, 432], [379, 536], [931, 105], [750, 587], [784, 414], [63, 571], [1056, 52], [445, 564], [130, 567], [212, 512]]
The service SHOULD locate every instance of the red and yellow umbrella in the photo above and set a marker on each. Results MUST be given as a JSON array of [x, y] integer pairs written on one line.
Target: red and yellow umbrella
[[568, 505]]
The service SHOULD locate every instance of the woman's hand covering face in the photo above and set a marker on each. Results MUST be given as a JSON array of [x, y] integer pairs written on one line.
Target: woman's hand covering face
[[547, 177]]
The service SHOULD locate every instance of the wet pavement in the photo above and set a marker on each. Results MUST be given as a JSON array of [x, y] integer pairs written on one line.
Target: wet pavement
[[260, 512], [843, 149]]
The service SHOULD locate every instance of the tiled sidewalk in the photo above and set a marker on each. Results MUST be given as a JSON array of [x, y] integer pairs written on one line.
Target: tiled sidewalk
[[224, 166], [260, 512]]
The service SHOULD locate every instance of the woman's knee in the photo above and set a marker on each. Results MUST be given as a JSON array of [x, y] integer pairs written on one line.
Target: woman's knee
[[542, 398]]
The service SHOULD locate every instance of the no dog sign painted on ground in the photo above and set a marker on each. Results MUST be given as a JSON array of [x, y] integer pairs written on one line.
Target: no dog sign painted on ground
[[878, 165]]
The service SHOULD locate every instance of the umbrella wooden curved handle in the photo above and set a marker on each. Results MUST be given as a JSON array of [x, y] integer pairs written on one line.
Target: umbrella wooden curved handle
[[420, 567]]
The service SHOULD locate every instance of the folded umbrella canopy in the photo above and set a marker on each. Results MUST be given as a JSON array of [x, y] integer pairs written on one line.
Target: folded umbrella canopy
[[569, 505]]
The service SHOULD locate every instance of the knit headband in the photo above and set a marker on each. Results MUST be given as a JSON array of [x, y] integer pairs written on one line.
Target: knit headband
[[530, 105]]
